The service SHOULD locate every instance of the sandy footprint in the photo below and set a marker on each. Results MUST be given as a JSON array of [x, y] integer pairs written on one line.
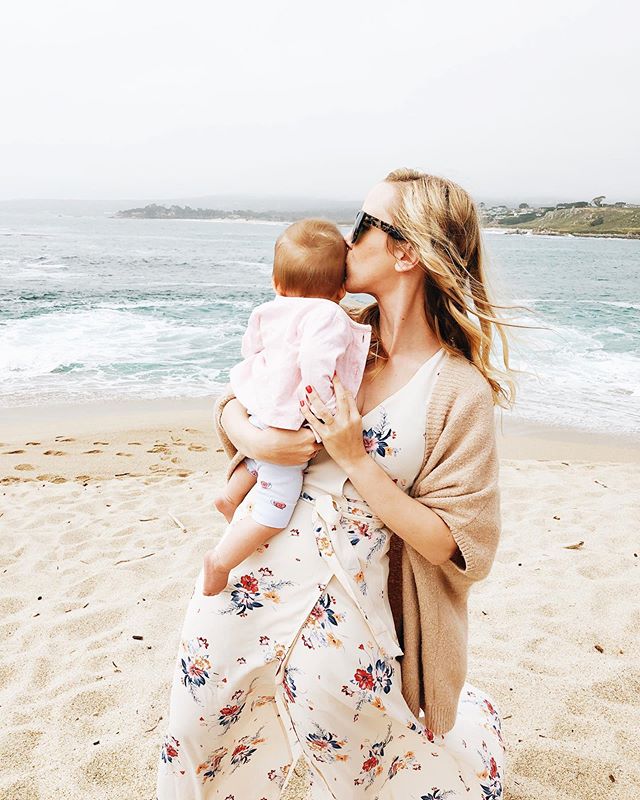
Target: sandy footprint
[[54, 453], [197, 447], [64, 439], [24, 466], [51, 478], [124, 454], [13, 452], [32, 443], [159, 448], [623, 687], [89, 452], [11, 605], [100, 442], [88, 703]]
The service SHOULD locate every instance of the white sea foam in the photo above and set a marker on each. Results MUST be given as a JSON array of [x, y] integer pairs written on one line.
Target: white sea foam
[[150, 309]]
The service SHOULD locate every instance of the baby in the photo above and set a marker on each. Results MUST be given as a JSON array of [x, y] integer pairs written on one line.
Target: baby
[[300, 339]]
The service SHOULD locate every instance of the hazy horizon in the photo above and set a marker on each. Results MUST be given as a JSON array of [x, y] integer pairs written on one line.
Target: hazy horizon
[[106, 103], [249, 202]]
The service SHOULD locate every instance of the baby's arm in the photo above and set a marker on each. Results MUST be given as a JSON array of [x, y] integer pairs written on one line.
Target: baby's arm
[[325, 337], [252, 338]]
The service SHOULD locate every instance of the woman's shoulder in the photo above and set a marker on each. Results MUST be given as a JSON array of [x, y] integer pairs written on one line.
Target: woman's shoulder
[[460, 380]]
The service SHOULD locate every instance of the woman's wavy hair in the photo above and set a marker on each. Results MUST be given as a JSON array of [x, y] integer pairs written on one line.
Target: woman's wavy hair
[[440, 220]]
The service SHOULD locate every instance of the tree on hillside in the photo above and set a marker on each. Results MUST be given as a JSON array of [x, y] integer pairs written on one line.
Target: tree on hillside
[[597, 201], [523, 205]]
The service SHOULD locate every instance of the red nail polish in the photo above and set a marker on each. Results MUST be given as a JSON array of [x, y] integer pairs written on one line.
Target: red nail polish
[[302, 402], [307, 388]]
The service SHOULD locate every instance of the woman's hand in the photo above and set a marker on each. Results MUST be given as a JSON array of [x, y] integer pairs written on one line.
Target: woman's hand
[[341, 434], [275, 445]]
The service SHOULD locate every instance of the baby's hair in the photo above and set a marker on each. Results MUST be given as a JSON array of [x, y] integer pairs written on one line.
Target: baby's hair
[[310, 258]]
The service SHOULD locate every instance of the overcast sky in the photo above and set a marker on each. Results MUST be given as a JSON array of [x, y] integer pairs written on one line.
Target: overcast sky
[[155, 99]]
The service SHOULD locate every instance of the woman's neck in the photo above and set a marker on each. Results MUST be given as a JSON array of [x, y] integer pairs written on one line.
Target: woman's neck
[[404, 329]]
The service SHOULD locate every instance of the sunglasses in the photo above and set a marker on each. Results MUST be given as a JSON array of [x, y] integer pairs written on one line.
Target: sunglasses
[[364, 221]]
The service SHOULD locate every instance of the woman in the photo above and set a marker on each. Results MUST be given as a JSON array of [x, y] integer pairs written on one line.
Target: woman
[[330, 639]]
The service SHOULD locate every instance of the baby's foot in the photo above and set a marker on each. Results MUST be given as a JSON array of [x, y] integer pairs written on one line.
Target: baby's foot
[[225, 506]]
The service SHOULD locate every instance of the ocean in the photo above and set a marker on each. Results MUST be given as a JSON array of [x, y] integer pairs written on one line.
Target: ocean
[[95, 307]]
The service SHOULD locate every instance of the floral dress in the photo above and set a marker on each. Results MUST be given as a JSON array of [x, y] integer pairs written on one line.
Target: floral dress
[[298, 656]]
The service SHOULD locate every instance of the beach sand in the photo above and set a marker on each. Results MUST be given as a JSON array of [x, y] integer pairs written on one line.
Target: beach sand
[[92, 556]]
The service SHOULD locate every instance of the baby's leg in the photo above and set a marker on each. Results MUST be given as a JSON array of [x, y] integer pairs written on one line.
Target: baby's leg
[[275, 499], [239, 542], [242, 480]]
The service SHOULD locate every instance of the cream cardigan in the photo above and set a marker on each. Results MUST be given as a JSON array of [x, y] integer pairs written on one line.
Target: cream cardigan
[[459, 481]]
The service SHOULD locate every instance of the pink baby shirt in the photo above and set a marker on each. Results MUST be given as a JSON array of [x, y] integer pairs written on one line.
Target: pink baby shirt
[[292, 342]]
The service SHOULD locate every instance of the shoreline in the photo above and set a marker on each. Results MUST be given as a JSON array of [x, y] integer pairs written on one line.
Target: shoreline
[[583, 235], [347, 223], [101, 440]]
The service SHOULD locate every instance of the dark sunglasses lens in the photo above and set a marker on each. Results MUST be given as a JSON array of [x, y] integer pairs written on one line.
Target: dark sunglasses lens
[[357, 227]]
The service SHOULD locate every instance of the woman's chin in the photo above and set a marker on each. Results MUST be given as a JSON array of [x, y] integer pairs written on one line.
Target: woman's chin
[[351, 286]]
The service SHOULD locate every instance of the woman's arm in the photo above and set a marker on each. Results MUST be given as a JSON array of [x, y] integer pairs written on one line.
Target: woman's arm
[[455, 513], [275, 445], [414, 522]]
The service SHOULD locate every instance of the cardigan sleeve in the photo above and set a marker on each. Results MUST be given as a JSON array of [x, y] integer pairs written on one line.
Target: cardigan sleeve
[[460, 481], [229, 448]]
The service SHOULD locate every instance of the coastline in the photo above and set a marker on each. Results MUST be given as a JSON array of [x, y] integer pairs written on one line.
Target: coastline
[[584, 235], [103, 534], [40, 443]]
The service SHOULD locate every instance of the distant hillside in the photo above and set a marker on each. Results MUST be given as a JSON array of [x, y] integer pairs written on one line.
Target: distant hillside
[[591, 221], [154, 211]]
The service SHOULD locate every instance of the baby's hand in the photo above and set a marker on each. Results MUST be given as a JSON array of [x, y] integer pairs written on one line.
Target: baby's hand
[[216, 577]]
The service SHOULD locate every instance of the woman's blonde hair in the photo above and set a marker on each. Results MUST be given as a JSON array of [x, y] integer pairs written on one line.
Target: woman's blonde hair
[[309, 259], [440, 220]]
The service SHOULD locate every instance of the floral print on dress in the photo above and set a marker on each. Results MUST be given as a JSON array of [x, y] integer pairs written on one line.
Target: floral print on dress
[[493, 722], [273, 651], [490, 777], [230, 713], [278, 776], [245, 749], [249, 591], [170, 752], [325, 746], [371, 679], [406, 761], [319, 626], [372, 765], [377, 438], [196, 665], [211, 767], [366, 537], [288, 684], [438, 794]]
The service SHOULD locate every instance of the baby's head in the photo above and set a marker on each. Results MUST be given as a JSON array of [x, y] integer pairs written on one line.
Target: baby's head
[[310, 260]]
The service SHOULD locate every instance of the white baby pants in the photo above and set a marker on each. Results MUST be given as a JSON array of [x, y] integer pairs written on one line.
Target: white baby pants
[[278, 488]]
